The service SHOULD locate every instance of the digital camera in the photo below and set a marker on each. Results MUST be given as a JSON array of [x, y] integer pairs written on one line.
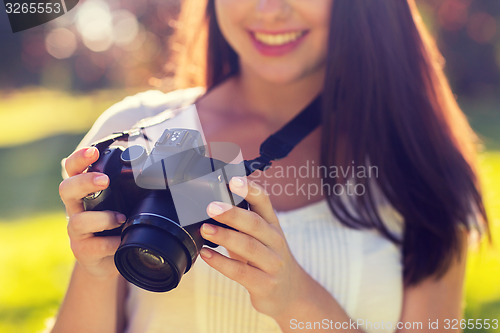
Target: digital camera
[[164, 194]]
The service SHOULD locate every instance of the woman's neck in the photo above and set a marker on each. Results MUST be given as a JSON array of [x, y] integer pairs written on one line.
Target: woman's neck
[[276, 102]]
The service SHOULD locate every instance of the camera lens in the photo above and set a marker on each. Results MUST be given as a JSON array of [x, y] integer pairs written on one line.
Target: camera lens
[[154, 253], [155, 250], [148, 266], [150, 259]]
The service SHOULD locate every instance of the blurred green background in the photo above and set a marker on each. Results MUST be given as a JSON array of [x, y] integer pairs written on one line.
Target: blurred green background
[[57, 78]]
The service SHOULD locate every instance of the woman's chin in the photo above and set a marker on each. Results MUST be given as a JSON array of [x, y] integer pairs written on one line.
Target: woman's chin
[[280, 77]]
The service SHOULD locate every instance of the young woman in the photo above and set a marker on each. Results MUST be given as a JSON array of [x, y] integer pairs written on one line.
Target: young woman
[[391, 251]]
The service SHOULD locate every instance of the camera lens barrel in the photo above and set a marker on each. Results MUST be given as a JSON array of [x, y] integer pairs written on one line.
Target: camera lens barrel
[[153, 258], [155, 250]]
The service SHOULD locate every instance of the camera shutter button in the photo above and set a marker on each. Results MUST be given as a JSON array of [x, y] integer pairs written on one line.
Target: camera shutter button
[[133, 154]]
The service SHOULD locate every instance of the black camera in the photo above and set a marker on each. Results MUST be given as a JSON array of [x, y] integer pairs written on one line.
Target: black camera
[[164, 194]]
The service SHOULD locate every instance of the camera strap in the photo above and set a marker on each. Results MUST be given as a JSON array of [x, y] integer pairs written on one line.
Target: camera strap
[[275, 147], [281, 143], [118, 136]]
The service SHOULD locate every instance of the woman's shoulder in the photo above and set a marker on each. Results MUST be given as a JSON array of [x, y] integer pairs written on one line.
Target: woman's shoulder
[[155, 99], [124, 114]]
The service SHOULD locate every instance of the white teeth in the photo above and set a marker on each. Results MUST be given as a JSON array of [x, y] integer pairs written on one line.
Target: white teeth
[[278, 39]]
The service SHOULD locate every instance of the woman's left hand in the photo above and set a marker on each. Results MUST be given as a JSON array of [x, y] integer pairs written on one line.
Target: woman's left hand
[[260, 259]]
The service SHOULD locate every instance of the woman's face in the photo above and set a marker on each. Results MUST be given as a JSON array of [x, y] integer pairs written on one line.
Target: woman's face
[[281, 41]]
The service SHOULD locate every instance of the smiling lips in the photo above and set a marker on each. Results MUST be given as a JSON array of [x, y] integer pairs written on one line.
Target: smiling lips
[[277, 44], [278, 39]]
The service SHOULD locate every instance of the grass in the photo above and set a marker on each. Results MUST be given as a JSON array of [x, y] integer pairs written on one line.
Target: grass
[[484, 116], [34, 113], [35, 259], [483, 268]]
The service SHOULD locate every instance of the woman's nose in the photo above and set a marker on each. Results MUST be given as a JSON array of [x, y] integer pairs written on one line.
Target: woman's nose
[[273, 9]]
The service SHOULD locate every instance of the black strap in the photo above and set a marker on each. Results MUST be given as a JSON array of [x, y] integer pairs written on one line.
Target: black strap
[[107, 141], [119, 136], [281, 143]]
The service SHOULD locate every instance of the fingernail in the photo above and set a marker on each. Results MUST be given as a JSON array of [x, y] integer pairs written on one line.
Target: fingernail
[[101, 180], [209, 229], [90, 152], [238, 181], [206, 254], [215, 209], [120, 218]]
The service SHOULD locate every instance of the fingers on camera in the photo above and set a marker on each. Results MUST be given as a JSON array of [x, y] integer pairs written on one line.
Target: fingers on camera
[[78, 187], [78, 162], [85, 224], [96, 248]]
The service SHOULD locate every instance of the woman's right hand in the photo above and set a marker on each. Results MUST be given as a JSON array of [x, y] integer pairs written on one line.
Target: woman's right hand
[[93, 254]]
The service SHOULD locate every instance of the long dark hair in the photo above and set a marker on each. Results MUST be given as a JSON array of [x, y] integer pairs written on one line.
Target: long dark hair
[[386, 103]]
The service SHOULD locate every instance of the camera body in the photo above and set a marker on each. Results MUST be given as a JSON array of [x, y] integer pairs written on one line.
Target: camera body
[[164, 195]]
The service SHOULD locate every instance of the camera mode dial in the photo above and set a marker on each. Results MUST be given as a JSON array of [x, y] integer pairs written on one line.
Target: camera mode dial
[[134, 154]]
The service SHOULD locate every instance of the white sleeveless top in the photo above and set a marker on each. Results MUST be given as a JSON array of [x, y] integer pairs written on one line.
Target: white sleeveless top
[[360, 268]]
